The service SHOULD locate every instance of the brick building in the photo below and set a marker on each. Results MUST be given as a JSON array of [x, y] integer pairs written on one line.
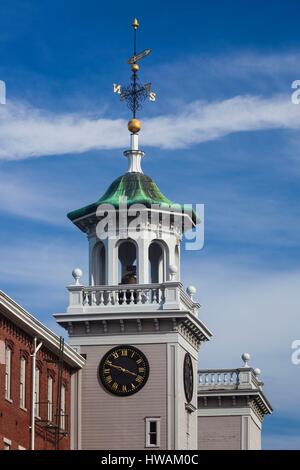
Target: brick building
[[34, 408]]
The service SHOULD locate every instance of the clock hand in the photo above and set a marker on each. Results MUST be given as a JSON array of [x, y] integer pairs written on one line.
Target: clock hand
[[117, 367], [129, 372], [123, 370]]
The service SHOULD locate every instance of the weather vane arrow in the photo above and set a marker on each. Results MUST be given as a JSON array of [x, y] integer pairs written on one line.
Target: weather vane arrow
[[135, 93]]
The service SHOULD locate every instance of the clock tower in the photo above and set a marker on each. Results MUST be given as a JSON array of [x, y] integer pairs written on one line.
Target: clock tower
[[134, 323]]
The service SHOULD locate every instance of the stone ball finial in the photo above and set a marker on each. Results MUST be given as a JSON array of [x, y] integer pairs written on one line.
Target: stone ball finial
[[77, 274], [191, 291], [173, 270], [245, 358], [257, 371]]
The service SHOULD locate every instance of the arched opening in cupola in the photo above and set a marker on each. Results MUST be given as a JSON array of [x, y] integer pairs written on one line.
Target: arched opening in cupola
[[127, 266], [157, 262], [99, 264]]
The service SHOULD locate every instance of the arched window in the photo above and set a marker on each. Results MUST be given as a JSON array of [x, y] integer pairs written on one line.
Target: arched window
[[98, 264], [157, 262], [127, 254]]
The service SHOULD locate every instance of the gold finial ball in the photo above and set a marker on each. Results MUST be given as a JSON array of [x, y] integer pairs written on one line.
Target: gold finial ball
[[135, 67], [134, 126]]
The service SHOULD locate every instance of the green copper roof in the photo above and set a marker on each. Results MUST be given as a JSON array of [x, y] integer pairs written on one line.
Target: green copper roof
[[137, 187]]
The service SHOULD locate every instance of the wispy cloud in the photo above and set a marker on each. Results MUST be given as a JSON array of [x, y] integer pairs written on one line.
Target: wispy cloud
[[28, 132], [251, 310], [26, 197]]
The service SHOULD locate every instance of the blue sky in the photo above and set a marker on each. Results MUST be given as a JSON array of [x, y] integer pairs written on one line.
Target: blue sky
[[222, 132]]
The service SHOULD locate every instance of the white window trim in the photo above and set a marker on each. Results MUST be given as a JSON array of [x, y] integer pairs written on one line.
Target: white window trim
[[63, 408], [37, 394], [50, 398], [21, 448], [148, 420], [23, 383], [8, 353], [7, 442]]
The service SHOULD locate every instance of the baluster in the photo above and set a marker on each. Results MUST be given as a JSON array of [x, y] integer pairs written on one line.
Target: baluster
[[219, 378], [112, 297], [154, 296], [93, 298], [206, 379], [101, 297], [85, 298], [162, 295], [146, 296], [131, 297], [138, 296]]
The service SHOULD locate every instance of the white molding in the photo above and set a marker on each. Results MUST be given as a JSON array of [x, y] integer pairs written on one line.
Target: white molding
[[171, 348], [245, 433], [136, 338], [79, 411], [207, 412], [29, 323]]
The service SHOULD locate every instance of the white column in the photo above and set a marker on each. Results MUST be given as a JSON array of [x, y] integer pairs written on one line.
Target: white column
[[112, 261], [92, 242], [143, 260]]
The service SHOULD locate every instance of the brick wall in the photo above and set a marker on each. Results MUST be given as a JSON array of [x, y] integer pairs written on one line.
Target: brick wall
[[15, 422]]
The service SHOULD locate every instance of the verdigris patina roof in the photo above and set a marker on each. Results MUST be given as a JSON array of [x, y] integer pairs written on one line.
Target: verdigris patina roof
[[137, 188]]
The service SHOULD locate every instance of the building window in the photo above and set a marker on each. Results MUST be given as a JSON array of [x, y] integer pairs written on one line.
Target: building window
[[50, 398], [37, 393], [23, 382], [152, 432], [63, 408], [6, 444], [8, 354]]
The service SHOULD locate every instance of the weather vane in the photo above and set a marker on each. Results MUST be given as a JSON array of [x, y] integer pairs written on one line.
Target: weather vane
[[135, 93]]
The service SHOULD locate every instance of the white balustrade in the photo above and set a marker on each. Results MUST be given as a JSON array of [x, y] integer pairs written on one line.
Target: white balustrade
[[241, 378], [164, 296], [103, 296], [218, 377]]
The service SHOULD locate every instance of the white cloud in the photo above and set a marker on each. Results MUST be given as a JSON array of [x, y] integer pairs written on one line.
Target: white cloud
[[27, 132], [26, 197], [255, 311]]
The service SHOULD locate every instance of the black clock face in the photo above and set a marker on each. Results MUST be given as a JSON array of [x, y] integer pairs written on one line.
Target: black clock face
[[188, 377], [124, 370]]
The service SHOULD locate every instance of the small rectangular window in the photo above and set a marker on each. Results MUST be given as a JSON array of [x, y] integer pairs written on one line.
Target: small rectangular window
[[8, 373], [152, 432]]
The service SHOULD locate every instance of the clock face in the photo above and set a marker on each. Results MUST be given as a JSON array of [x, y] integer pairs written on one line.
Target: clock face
[[188, 377], [124, 370]]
